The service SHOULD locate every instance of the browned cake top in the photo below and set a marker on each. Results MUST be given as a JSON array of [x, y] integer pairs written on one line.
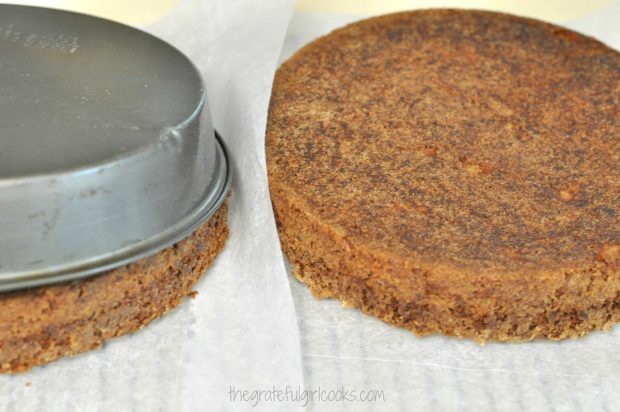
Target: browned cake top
[[469, 139]]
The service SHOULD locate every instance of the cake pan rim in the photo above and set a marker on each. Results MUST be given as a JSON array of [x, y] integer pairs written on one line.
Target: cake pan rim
[[222, 177]]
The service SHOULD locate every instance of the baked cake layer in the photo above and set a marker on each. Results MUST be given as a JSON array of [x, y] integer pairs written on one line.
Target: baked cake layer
[[453, 171], [43, 324]]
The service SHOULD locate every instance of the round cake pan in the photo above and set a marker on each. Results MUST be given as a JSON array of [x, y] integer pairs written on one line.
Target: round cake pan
[[107, 149]]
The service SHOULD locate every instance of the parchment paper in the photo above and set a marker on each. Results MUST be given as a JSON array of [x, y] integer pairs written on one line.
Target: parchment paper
[[342, 347], [241, 329]]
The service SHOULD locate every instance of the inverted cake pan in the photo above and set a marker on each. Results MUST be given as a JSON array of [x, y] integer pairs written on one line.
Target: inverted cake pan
[[107, 149]]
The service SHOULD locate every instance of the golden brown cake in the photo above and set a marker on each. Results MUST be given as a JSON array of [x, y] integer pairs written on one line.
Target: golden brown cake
[[453, 172], [43, 324]]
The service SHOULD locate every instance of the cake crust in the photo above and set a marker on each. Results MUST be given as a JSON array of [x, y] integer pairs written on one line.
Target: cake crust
[[42, 324], [454, 172]]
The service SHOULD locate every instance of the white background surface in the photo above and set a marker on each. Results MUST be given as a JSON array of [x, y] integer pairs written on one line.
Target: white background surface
[[254, 327]]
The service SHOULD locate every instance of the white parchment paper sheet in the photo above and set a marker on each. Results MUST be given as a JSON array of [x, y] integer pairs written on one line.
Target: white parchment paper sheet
[[241, 329], [343, 348]]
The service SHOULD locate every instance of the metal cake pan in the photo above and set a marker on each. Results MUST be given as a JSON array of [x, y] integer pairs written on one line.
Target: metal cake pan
[[107, 149]]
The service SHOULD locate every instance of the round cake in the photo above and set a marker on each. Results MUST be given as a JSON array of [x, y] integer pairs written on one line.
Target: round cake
[[453, 171], [43, 324]]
